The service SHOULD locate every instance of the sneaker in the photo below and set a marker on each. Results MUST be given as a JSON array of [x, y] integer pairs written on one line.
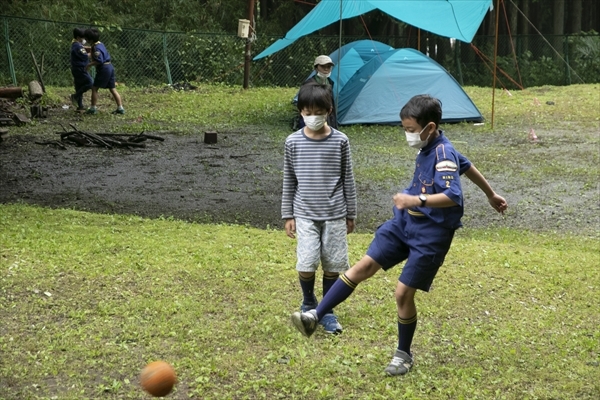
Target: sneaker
[[74, 101], [80, 109], [330, 324], [304, 307], [119, 111], [400, 364], [305, 322], [92, 111]]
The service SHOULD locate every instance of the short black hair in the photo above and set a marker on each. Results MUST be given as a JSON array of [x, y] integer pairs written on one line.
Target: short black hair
[[424, 109], [314, 94], [91, 35], [78, 32]]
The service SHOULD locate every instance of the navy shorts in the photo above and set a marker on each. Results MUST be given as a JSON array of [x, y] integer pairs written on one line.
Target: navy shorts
[[82, 80], [105, 77], [423, 243]]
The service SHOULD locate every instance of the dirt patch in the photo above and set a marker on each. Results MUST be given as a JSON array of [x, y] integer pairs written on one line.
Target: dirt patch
[[237, 180]]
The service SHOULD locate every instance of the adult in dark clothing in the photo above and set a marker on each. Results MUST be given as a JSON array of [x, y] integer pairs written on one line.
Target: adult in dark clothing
[[323, 65]]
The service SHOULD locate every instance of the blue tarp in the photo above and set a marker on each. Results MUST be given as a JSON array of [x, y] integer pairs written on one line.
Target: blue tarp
[[457, 19], [373, 81]]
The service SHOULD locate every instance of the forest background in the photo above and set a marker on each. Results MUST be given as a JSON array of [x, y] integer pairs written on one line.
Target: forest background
[[276, 17], [541, 42]]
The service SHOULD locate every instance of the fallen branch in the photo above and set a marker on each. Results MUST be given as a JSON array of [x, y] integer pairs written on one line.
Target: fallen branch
[[244, 155], [53, 142]]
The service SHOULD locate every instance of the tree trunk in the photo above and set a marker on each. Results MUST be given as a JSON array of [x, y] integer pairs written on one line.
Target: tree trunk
[[491, 27], [513, 24], [524, 25], [576, 16], [264, 9], [558, 25]]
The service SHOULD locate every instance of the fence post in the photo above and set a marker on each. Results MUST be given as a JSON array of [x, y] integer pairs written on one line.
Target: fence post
[[457, 59], [566, 49], [11, 65], [167, 59]]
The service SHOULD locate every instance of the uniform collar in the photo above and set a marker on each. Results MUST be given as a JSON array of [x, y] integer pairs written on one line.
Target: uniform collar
[[435, 141]]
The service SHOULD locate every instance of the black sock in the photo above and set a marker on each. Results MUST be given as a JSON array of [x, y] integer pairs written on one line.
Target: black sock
[[406, 332], [308, 289], [340, 291]]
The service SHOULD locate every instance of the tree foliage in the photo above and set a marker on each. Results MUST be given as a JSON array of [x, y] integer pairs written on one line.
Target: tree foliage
[[276, 17]]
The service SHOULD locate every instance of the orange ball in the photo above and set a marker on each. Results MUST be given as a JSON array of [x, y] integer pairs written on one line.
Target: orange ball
[[158, 378]]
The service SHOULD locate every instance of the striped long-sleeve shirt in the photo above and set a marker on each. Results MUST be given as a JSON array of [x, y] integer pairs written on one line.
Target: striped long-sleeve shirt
[[318, 181]]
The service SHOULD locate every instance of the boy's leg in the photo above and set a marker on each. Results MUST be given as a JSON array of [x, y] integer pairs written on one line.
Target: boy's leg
[[308, 250], [307, 284], [85, 85], [307, 322], [334, 260], [428, 245], [117, 97], [402, 361], [94, 101]]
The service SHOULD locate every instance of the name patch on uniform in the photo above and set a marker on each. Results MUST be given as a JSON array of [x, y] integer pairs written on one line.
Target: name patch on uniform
[[446, 166]]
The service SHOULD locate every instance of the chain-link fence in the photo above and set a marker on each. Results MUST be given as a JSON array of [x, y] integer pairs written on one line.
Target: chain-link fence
[[143, 57]]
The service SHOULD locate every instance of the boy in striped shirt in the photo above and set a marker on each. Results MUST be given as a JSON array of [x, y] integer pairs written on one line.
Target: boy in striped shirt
[[319, 197]]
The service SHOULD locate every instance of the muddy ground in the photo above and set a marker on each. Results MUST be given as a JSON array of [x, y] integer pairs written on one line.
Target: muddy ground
[[236, 180]]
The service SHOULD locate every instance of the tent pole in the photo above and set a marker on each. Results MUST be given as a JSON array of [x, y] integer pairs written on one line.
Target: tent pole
[[495, 61], [248, 51]]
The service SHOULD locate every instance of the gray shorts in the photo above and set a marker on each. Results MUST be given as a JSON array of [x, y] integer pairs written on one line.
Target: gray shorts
[[324, 242]]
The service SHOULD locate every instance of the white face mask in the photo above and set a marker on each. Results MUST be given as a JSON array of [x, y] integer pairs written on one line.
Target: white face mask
[[324, 76], [414, 139], [83, 41], [315, 122]]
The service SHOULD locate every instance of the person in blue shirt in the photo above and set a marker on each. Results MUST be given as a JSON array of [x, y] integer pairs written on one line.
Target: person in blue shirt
[[426, 215], [79, 60], [105, 72]]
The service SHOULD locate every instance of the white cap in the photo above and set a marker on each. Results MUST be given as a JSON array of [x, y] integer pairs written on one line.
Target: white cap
[[323, 60]]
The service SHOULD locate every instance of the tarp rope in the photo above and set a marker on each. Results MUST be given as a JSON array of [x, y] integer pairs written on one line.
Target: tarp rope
[[547, 42], [489, 62], [512, 43]]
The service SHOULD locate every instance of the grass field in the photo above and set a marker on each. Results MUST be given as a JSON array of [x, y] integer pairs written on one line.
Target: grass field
[[86, 300]]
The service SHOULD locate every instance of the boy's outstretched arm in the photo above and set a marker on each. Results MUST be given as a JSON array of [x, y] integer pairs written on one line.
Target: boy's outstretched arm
[[496, 201]]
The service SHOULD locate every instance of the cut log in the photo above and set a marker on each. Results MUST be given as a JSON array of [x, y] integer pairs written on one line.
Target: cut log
[[11, 92], [35, 90]]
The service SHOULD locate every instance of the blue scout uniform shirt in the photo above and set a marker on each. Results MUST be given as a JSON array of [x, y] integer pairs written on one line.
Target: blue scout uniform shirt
[[79, 57], [437, 170], [100, 54]]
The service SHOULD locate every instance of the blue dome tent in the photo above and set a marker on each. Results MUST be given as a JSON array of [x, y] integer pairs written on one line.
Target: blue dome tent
[[373, 81]]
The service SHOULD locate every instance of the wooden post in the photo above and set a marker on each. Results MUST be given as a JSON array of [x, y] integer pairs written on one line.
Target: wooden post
[[495, 62], [248, 52], [210, 137]]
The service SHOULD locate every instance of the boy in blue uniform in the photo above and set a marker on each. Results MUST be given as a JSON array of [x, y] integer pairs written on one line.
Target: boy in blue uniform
[[79, 60], [426, 215], [105, 72]]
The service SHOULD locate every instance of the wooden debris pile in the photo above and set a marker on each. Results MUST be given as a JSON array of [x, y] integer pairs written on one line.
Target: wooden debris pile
[[78, 137], [7, 115]]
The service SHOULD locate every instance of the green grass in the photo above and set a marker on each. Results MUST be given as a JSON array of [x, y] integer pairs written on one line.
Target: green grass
[[87, 300]]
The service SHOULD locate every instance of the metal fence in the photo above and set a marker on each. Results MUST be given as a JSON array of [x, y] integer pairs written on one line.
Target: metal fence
[[144, 57]]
